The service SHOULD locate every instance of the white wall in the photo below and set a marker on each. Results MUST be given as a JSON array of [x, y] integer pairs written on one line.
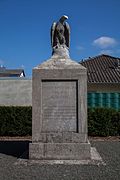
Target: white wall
[[15, 91]]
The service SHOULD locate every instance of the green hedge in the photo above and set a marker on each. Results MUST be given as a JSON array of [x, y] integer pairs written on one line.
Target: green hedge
[[103, 122], [17, 121]]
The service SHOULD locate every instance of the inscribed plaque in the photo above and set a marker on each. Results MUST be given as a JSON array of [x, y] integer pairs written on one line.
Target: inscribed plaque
[[59, 106]]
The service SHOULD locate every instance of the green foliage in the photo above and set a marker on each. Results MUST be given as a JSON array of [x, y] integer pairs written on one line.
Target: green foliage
[[15, 121], [103, 122]]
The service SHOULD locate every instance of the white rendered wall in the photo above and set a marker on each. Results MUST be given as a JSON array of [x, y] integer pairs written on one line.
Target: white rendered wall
[[15, 92]]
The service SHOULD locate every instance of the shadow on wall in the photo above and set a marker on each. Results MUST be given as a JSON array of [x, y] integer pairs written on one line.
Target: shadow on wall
[[19, 149]]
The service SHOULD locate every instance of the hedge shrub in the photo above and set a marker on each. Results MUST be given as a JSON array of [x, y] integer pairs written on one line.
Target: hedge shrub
[[17, 121], [103, 122]]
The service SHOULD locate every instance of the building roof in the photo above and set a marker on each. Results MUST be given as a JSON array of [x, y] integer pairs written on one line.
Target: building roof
[[102, 69], [11, 72]]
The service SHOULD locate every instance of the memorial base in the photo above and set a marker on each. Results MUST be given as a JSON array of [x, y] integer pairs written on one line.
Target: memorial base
[[59, 111], [59, 151]]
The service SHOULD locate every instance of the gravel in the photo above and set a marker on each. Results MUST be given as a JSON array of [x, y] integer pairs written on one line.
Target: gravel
[[10, 151]]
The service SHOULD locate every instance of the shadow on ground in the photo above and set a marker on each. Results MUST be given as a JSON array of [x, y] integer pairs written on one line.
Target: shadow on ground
[[19, 149]]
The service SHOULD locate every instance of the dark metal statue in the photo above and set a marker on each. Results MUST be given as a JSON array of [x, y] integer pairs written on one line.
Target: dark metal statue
[[60, 34]]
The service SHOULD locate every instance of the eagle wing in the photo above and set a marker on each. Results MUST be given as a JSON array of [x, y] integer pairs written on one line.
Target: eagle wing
[[53, 34], [67, 34]]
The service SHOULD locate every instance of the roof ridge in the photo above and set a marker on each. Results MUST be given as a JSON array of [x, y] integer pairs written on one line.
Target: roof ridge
[[15, 69], [98, 56]]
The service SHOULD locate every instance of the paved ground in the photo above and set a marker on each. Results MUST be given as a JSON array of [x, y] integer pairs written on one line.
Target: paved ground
[[11, 150]]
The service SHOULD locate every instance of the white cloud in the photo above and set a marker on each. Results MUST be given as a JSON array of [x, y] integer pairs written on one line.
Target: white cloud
[[80, 48], [105, 42], [106, 51]]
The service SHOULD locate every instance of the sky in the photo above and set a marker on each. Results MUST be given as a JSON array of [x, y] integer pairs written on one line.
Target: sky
[[25, 30]]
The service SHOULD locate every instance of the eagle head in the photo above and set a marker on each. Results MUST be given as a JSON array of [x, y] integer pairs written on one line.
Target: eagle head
[[63, 18]]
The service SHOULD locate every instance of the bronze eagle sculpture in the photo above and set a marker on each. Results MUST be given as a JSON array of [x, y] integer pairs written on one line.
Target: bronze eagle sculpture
[[60, 33]]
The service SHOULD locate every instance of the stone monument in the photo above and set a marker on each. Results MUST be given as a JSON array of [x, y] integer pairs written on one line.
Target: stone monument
[[59, 103]]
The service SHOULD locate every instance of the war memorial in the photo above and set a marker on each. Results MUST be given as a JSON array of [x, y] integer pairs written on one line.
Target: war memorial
[[59, 103]]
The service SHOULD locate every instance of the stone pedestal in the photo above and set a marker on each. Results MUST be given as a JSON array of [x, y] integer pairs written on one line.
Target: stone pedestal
[[59, 111]]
